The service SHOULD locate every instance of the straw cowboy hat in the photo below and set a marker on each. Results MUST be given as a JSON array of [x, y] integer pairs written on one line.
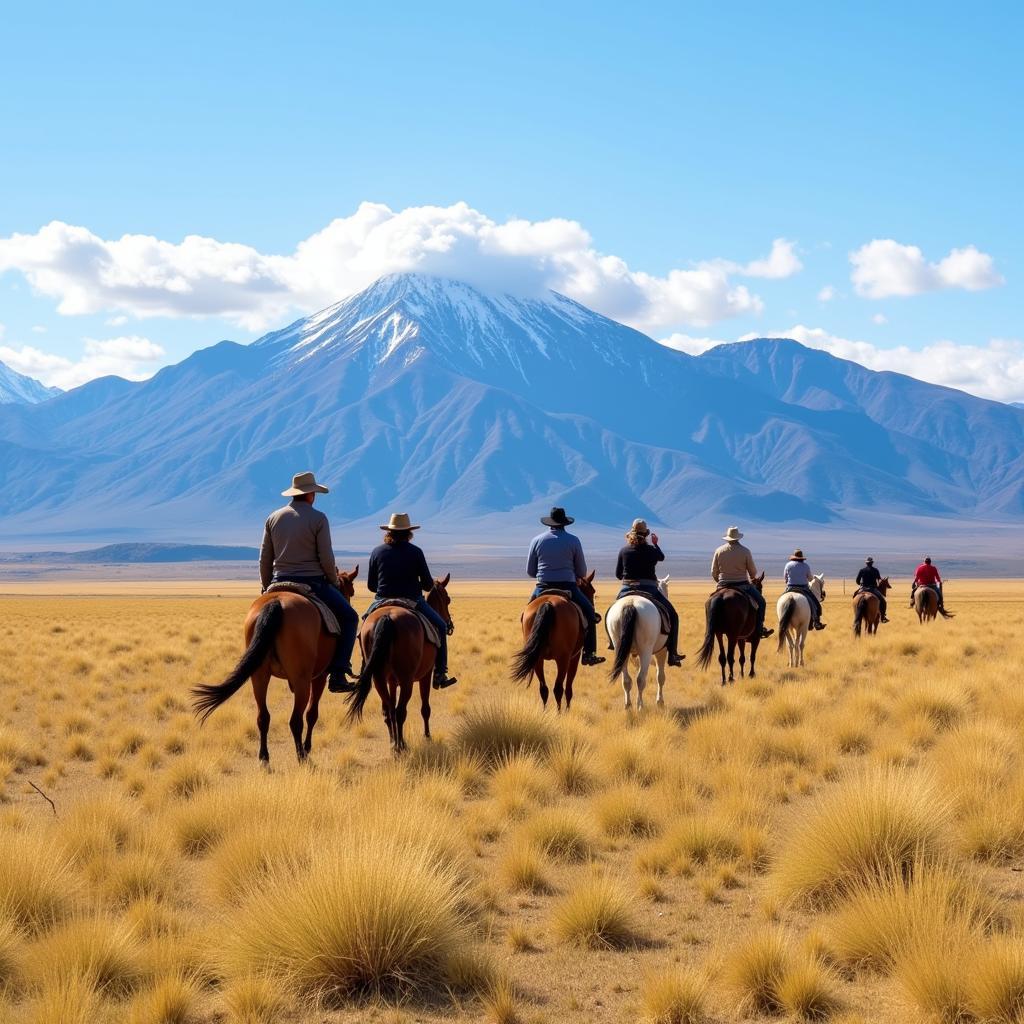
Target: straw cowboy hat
[[398, 522], [797, 556], [733, 533], [557, 518], [304, 483], [640, 528]]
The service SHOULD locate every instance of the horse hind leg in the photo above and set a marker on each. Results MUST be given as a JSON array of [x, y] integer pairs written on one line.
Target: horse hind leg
[[538, 670], [570, 678], [313, 711], [743, 659], [425, 705], [302, 689], [641, 680], [721, 656], [732, 660], [659, 660], [559, 687], [260, 685], [401, 710]]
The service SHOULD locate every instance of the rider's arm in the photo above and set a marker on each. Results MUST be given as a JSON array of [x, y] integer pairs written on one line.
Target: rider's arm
[[578, 561], [426, 580], [660, 555], [531, 561], [371, 575], [618, 567], [266, 557], [714, 567], [751, 568], [325, 552]]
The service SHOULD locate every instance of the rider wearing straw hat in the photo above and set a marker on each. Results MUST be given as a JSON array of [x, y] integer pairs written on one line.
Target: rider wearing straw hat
[[556, 559], [399, 569], [798, 576], [636, 568], [297, 549], [733, 566]]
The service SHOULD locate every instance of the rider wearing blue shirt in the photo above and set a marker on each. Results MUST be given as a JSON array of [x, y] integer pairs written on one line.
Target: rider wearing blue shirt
[[556, 561], [798, 578]]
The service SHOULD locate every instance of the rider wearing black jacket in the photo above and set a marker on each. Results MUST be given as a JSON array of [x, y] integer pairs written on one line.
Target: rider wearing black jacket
[[868, 579]]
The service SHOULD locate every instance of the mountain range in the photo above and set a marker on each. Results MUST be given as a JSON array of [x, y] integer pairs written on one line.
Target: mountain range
[[475, 411]]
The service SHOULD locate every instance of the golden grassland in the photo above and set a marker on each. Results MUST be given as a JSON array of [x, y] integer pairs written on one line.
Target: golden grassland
[[842, 842]]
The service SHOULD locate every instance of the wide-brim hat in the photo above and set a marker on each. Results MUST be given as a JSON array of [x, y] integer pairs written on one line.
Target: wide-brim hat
[[557, 518], [797, 556], [399, 521], [304, 483], [733, 533], [640, 527], [869, 560]]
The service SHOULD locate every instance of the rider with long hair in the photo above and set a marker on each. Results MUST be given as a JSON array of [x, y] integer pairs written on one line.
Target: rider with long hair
[[636, 568]]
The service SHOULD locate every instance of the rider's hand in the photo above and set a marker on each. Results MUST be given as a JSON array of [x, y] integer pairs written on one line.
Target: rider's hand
[[654, 539]]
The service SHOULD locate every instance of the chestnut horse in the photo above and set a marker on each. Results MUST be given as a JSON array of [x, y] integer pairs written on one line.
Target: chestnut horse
[[867, 612], [552, 631], [395, 655], [284, 637], [729, 613], [926, 604]]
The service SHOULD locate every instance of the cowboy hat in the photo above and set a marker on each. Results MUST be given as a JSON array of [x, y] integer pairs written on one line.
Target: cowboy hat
[[557, 518], [798, 556], [640, 527], [399, 521], [869, 560], [304, 483], [733, 533]]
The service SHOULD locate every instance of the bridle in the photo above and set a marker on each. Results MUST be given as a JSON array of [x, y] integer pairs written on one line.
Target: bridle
[[435, 589]]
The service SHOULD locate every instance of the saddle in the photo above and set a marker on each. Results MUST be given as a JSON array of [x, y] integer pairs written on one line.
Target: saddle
[[553, 590], [410, 606], [738, 590], [637, 592], [328, 617]]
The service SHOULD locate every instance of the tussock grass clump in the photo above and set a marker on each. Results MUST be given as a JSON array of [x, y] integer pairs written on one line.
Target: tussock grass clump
[[942, 702], [631, 756], [930, 972], [562, 835], [253, 999], [596, 914], [518, 783], [524, 868], [69, 998], [498, 729], [878, 922], [171, 1000], [12, 955], [626, 811], [384, 915], [572, 764], [876, 825], [38, 885], [808, 991], [674, 997], [98, 949], [696, 840], [755, 970], [994, 980]]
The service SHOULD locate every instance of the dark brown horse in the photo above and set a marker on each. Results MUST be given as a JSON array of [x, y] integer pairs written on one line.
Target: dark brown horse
[[552, 631], [867, 611], [284, 637], [395, 655], [729, 613]]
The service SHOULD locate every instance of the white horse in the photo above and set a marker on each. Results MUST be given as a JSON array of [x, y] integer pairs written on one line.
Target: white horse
[[794, 611], [634, 627]]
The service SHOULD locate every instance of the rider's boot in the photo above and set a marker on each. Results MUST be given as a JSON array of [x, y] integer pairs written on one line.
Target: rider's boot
[[442, 680], [341, 680], [819, 624], [590, 655], [766, 632]]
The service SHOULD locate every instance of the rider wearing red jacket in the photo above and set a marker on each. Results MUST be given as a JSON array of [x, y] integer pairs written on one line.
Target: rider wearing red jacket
[[927, 575]]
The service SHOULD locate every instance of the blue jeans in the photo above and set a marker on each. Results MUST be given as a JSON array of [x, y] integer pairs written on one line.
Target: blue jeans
[[811, 600], [580, 600], [347, 616], [441, 661]]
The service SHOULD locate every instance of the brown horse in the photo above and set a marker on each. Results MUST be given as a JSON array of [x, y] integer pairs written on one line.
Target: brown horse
[[867, 611], [395, 655], [284, 637], [552, 631], [729, 613]]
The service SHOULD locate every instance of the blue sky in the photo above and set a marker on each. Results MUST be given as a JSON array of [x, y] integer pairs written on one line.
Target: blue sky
[[678, 137]]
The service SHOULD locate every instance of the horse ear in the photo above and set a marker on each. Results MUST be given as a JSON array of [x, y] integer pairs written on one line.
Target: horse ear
[[354, 573], [590, 578], [760, 579], [444, 582]]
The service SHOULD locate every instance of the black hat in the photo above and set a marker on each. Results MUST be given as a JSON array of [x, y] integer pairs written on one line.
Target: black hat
[[869, 560], [557, 518]]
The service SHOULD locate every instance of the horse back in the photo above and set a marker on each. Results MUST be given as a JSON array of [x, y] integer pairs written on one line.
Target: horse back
[[302, 647], [566, 636], [411, 656]]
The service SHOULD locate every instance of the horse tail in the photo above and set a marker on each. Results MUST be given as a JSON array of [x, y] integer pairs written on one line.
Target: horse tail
[[524, 659], [858, 615], [787, 618], [708, 647], [380, 650], [206, 698], [624, 645]]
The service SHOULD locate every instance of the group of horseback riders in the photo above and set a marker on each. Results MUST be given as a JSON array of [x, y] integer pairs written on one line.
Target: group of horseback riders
[[296, 549]]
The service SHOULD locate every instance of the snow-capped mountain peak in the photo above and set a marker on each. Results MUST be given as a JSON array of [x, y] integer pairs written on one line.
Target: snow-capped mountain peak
[[17, 389]]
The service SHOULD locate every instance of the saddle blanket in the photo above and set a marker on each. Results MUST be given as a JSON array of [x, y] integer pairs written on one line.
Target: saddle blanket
[[729, 586], [556, 592], [410, 606], [328, 617], [636, 592]]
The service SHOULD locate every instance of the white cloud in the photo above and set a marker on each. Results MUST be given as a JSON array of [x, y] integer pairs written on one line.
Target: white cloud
[[884, 268], [827, 294], [879, 318], [143, 276], [131, 356], [38, 329], [995, 370], [686, 343], [116, 321]]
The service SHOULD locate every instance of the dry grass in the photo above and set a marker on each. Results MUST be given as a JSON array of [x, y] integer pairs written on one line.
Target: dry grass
[[525, 866]]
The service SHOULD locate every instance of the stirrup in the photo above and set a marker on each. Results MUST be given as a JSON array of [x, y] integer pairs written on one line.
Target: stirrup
[[592, 659], [766, 632], [442, 681], [339, 682], [675, 660]]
